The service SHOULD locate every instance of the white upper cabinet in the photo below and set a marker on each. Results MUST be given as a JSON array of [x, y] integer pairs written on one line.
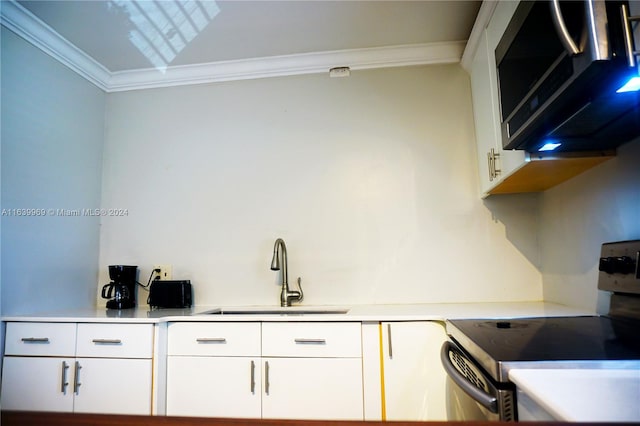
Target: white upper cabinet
[[509, 171], [494, 163]]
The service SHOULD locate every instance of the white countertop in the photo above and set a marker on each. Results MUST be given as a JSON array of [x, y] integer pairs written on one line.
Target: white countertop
[[416, 312], [583, 395]]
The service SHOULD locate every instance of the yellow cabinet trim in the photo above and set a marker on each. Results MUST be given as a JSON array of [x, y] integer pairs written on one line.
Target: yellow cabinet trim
[[383, 414]]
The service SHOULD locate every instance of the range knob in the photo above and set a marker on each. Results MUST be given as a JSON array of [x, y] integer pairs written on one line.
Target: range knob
[[617, 265]]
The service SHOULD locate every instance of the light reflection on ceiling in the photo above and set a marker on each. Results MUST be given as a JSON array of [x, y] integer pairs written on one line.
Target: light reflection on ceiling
[[161, 29]]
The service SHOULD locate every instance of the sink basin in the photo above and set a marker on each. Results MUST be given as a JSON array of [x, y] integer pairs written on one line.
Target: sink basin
[[277, 311]]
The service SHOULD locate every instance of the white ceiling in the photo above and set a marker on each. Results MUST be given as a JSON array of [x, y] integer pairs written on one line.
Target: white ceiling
[[123, 36]]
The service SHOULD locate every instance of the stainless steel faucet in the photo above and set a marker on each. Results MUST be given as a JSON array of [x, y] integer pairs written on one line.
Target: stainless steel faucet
[[286, 295]]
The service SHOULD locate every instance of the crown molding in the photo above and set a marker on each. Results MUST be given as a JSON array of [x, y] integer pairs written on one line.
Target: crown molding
[[482, 20], [28, 26], [287, 65], [32, 29]]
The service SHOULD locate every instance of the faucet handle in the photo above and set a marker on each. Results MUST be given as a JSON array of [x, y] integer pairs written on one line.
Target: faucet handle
[[286, 295], [294, 294], [300, 293]]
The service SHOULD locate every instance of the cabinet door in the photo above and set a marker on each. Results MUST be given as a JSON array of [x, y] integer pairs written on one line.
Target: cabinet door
[[312, 388], [37, 384], [414, 380], [482, 96], [113, 386], [510, 160], [213, 386], [486, 103]]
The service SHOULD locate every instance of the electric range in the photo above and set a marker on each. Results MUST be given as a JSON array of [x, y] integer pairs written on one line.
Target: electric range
[[481, 352]]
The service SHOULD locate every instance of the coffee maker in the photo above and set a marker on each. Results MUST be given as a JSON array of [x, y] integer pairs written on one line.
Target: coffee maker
[[121, 291]]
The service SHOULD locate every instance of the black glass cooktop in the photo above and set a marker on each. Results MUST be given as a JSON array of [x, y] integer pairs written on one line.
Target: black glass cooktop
[[547, 339]]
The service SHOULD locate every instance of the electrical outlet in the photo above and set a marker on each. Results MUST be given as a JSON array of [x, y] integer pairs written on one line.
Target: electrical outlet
[[164, 273]]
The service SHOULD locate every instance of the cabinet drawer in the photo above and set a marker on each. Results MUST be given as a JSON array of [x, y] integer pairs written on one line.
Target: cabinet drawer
[[44, 339], [300, 339], [115, 340], [214, 339]]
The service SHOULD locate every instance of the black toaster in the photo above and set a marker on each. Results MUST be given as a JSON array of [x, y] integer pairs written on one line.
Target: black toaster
[[170, 294]]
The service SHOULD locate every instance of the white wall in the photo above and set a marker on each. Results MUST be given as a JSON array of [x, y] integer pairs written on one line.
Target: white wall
[[371, 180], [52, 137], [601, 205]]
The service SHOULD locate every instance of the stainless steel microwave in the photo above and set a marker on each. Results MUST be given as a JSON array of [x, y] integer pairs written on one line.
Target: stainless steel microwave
[[563, 75]]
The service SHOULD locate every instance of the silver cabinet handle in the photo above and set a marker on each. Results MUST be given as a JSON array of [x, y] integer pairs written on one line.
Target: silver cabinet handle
[[389, 341], [76, 378], [35, 339], [107, 341], [63, 382], [266, 377], [490, 166], [302, 341], [561, 28], [496, 170], [492, 156], [211, 340], [253, 377]]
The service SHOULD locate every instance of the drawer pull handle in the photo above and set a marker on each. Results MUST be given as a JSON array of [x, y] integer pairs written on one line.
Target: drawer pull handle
[[35, 339], [107, 341], [64, 383], [310, 341], [266, 377], [211, 340]]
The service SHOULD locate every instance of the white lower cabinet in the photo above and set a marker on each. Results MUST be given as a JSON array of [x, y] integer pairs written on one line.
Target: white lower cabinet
[[214, 370], [404, 379], [214, 386], [37, 384], [312, 371], [85, 368], [414, 378], [265, 370], [118, 386], [312, 388]]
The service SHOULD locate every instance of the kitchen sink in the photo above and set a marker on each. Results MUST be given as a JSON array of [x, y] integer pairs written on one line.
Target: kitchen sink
[[277, 311]]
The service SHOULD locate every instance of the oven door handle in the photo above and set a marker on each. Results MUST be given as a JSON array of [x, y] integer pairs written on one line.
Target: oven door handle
[[484, 399]]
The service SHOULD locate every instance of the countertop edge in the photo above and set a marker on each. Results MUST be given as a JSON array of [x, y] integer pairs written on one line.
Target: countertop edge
[[356, 313], [576, 394]]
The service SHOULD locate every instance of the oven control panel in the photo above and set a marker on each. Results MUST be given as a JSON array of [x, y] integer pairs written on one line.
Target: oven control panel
[[620, 267]]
